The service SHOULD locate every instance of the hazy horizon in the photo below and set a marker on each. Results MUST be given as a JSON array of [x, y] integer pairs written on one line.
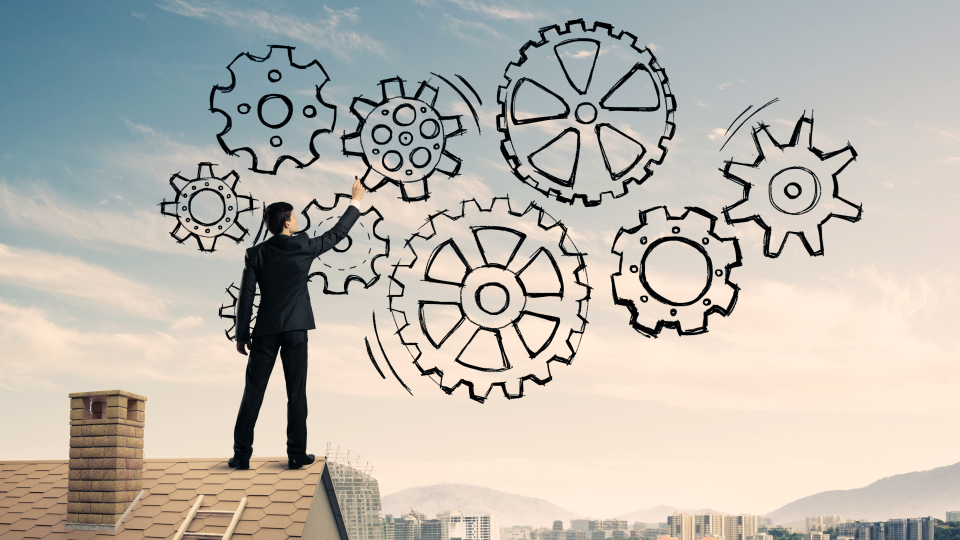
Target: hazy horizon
[[832, 372]]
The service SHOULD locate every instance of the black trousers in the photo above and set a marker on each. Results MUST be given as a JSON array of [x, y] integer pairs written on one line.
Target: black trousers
[[292, 347]]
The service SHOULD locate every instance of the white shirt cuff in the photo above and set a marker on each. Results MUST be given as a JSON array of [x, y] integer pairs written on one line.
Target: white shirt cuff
[[354, 202]]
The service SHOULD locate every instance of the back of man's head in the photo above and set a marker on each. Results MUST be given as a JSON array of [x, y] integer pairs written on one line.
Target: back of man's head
[[276, 215]]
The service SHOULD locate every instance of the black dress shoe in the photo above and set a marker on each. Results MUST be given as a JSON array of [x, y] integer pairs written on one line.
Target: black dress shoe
[[297, 462], [239, 464]]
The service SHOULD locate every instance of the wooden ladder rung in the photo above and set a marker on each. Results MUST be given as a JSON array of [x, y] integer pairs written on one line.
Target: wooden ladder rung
[[196, 510]]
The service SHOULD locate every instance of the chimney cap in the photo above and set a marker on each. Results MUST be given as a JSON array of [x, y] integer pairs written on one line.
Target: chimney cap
[[108, 393]]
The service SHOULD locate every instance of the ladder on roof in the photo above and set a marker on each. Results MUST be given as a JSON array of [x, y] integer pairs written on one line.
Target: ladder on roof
[[196, 510]]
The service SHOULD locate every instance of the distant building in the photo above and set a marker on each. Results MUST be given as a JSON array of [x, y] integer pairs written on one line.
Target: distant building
[[759, 536], [358, 496], [682, 526], [558, 525], [953, 516], [430, 529], [909, 529], [515, 533], [741, 526], [580, 524], [815, 535], [710, 525], [822, 523]]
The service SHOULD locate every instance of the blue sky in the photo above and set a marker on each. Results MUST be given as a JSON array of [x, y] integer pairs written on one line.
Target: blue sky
[[104, 101]]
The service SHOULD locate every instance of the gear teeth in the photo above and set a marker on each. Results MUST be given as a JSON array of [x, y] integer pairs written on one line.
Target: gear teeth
[[352, 145], [774, 241], [722, 295], [178, 182], [812, 240], [767, 146], [427, 94], [392, 88], [205, 243], [739, 212], [415, 191], [361, 108], [449, 164], [512, 388], [803, 135]]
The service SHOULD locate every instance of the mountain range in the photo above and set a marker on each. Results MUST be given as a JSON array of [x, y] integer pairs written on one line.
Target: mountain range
[[915, 494]]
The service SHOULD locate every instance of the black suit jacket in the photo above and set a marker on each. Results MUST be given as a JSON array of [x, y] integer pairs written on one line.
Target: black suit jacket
[[281, 266]]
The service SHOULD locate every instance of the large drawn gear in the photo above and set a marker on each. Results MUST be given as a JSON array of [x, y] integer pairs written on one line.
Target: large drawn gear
[[476, 285], [402, 140], [615, 120], [650, 312], [221, 204], [790, 198], [277, 102], [353, 258], [229, 311]]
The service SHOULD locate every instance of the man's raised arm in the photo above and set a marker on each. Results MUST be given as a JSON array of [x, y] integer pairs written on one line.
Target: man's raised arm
[[338, 232]]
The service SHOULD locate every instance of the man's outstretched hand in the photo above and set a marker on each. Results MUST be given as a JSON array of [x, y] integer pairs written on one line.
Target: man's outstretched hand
[[242, 347], [358, 190]]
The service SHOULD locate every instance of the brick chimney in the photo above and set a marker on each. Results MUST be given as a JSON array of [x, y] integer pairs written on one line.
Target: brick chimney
[[106, 457]]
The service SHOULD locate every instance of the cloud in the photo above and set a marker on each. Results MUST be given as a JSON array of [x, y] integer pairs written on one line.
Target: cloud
[[788, 348], [498, 12], [949, 160], [701, 104], [468, 30], [716, 133], [40, 353], [724, 85], [186, 323], [654, 47], [323, 34], [71, 277], [138, 15]]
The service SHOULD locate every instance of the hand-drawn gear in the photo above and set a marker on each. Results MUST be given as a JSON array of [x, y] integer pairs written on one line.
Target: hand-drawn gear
[[792, 201], [483, 304], [555, 92], [207, 208], [353, 258], [402, 140], [650, 311], [278, 102], [229, 311]]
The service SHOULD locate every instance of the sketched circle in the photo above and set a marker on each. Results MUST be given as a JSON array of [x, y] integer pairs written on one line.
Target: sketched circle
[[395, 116], [197, 221], [491, 297], [551, 97], [651, 311]]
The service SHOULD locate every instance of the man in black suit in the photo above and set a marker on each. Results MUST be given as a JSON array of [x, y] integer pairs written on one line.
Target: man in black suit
[[280, 266]]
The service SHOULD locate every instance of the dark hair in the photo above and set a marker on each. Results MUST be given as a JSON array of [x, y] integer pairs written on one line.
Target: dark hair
[[276, 215]]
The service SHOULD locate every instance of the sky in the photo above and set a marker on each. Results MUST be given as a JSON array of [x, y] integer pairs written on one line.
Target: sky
[[831, 372]]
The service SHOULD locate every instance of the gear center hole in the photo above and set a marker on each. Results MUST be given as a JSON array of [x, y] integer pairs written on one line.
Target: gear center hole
[[676, 271], [493, 298], [207, 207]]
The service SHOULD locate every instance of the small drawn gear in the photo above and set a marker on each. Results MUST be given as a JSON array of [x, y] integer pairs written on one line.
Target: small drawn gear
[[207, 207], [483, 304], [650, 311], [229, 311], [353, 258], [604, 128], [278, 102], [403, 140], [791, 178]]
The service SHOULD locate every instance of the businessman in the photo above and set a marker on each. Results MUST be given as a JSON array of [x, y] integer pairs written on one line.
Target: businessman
[[280, 266]]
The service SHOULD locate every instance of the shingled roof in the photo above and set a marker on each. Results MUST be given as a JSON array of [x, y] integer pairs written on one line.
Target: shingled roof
[[281, 503]]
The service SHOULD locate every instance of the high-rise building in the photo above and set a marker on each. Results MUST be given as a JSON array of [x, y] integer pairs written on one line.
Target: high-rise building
[[558, 525], [953, 516], [358, 496], [815, 535], [580, 524], [709, 525], [454, 524], [909, 529], [741, 526], [681, 526], [822, 523], [430, 529]]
